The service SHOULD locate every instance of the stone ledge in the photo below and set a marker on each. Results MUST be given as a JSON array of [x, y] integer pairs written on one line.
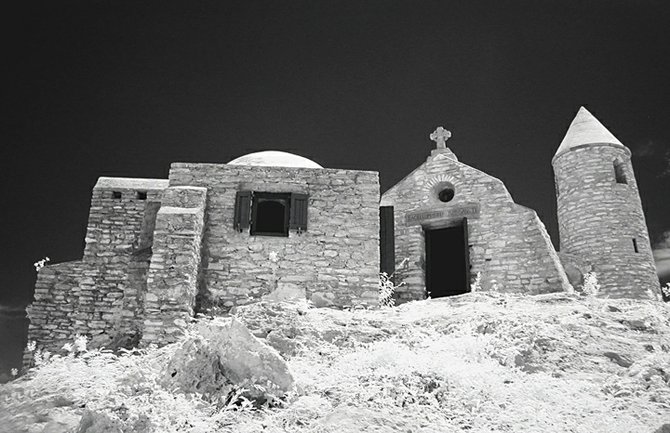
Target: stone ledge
[[131, 183]]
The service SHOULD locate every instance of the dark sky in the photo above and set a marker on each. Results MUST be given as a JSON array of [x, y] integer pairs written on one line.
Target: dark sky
[[124, 88]]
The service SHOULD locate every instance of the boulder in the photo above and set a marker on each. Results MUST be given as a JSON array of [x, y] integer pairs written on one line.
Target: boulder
[[195, 368], [95, 422], [287, 347], [224, 356], [61, 421], [622, 360], [248, 363]]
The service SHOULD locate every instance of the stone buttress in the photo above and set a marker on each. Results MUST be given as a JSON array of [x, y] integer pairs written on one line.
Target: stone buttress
[[172, 282]]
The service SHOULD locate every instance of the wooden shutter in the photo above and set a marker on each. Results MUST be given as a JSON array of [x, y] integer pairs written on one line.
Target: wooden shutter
[[298, 215], [242, 210], [466, 245], [386, 240]]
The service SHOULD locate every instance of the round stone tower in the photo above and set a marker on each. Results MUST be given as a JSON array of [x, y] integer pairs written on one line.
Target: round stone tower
[[600, 219]]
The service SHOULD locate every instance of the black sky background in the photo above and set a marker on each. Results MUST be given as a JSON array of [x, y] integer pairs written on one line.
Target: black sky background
[[123, 88]]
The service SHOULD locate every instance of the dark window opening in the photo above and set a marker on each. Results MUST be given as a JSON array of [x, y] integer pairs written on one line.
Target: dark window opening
[[116, 195], [635, 245], [619, 172], [446, 194], [270, 214], [141, 195]]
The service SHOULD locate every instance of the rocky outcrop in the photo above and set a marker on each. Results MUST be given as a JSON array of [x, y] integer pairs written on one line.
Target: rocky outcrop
[[224, 359], [480, 362]]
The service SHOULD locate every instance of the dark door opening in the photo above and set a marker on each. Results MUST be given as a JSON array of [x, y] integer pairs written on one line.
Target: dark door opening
[[447, 261]]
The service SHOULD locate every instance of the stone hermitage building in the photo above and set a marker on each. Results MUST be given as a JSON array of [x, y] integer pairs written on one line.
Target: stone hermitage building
[[215, 236]]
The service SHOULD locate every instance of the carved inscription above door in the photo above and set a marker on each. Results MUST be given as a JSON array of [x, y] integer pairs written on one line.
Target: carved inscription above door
[[420, 216]]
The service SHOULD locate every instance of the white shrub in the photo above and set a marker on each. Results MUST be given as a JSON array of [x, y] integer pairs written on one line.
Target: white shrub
[[41, 263], [591, 286], [387, 287], [476, 285], [666, 291], [386, 290]]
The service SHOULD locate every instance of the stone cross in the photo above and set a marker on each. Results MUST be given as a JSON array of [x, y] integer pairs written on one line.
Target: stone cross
[[440, 136]]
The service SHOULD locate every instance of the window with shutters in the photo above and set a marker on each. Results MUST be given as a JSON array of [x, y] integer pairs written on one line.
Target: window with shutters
[[270, 213]]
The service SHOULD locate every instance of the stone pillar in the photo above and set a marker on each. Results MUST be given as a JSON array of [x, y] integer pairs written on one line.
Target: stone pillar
[[172, 282]]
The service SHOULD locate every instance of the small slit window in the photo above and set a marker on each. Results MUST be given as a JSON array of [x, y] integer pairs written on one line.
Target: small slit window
[[635, 245], [620, 172], [141, 195], [116, 195]]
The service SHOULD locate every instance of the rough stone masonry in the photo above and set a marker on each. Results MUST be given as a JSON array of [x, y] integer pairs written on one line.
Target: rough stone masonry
[[508, 246], [215, 236], [158, 250]]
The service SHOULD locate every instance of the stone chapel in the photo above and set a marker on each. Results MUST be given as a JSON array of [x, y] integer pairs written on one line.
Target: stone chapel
[[215, 236]]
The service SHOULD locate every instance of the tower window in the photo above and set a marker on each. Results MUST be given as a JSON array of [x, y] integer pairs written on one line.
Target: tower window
[[619, 172], [116, 195], [635, 245], [141, 195]]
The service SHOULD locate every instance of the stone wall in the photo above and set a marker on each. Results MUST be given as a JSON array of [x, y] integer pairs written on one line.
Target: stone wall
[[54, 305], [508, 243], [599, 218], [117, 231], [337, 257], [100, 295], [152, 251]]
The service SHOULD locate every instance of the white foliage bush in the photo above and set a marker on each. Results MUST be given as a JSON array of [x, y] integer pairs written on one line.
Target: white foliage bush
[[476, 285], [386, 290], [591, 287], [125, 388], [483, 366], [666, 291], [387, 287], [41, 263]]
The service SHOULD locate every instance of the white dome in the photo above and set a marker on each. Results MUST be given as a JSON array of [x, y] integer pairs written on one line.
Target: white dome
[[275, 158]]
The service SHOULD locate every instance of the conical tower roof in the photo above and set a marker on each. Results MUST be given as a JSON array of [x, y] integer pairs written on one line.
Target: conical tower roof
[[586, 129]]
